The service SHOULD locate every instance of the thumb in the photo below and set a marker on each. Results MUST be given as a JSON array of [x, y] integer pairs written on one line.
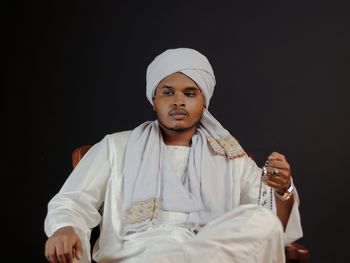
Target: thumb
[[78, 248]]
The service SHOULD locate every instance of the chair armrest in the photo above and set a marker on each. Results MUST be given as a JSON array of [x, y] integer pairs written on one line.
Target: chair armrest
[[296, 251], [78, 153]]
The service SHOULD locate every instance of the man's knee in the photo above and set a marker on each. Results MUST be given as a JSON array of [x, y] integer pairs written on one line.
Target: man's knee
[[269, 222], [253, 219], [259, 218]]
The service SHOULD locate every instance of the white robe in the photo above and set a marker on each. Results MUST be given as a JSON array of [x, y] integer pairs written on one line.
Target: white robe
[[96, 185]]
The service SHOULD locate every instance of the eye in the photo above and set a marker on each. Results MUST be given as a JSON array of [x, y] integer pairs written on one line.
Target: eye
[[190, 93], [168, 92]]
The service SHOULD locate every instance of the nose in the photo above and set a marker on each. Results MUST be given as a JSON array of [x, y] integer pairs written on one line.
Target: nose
[[179, 100]]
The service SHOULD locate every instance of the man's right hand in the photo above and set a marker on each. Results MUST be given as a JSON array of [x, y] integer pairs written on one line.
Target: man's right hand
[[63, 246]]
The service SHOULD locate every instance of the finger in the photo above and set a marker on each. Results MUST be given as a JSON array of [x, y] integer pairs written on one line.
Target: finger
[[68, 252], [276, 180], [60, 253], [279, 173], [272, 170], [273, 184], [283, 181], [282, 176], [276, 156], [283, 172], [50, 252], [47, 251], [78, 248], [53, 258], [277, 187], [279, 164], [279, 182]]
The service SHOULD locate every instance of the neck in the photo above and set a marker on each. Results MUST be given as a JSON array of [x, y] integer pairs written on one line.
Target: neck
[[181, 138]]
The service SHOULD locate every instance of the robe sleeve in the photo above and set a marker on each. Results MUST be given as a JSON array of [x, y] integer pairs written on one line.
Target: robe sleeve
[[250, 190], [78, 202]]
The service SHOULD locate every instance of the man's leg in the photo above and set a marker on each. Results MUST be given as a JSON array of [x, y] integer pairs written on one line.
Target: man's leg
[[248, 234]]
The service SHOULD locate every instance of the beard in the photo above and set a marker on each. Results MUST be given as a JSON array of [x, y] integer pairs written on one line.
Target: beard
[[178, 128]]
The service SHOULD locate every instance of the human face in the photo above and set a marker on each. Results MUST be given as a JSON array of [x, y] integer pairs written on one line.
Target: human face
[[178, 103]]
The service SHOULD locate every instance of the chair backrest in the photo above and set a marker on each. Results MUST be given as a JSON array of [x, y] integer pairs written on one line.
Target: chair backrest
[[78, 153]]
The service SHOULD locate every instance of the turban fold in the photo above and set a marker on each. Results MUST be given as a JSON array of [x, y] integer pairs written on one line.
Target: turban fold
[[185, 60]]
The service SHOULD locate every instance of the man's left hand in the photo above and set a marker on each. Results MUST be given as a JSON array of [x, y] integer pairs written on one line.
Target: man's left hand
[[279, 173]]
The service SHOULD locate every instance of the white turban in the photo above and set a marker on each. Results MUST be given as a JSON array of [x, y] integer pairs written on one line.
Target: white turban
[[185, 60], [197, 67]]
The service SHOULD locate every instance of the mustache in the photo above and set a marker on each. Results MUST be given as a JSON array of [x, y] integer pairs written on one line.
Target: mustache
[[178, 112]]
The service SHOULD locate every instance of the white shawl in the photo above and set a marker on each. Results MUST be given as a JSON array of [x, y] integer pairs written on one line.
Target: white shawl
[[150, 182]]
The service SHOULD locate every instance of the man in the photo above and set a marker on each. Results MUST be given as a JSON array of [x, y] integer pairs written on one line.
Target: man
[[178, 189]]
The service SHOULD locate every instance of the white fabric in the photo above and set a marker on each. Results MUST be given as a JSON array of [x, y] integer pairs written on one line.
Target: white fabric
[[179, 158], [148, 178], [150, 183], [97, 181], [249, 233]]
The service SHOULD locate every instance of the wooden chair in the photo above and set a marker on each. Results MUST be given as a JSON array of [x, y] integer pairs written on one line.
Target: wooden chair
[[295, 252]]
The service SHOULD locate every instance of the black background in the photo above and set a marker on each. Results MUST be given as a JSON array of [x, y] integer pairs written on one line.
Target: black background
[[75, 71]]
